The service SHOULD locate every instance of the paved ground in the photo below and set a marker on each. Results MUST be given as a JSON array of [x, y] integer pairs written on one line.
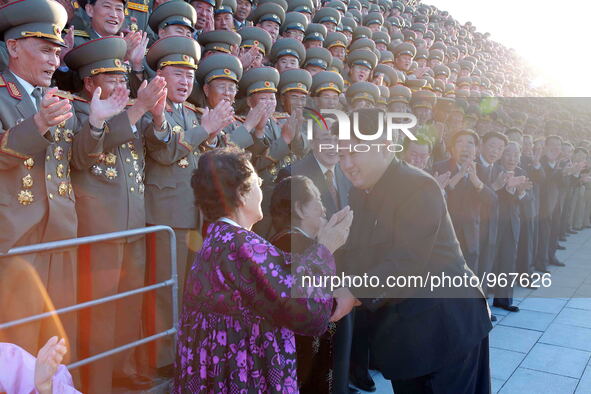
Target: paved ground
[[545, 347]]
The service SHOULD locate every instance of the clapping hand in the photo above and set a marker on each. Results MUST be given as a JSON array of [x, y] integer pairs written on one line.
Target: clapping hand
[[443, 179], [290, 129], [214, 120], [345, 303], [54, 110], [102, 110], [48, 360], [335, 232]]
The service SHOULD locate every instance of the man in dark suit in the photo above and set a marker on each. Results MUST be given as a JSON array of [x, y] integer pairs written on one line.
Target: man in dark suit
[[321, 166], [465, 193], [549, 204], [510, 197], [495, 179], [422, 340]]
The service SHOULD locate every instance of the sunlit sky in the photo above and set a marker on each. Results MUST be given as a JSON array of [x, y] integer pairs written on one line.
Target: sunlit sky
[[552, 36]]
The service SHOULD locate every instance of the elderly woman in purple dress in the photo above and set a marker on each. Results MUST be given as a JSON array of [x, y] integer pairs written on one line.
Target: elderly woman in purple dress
[[242, 301]]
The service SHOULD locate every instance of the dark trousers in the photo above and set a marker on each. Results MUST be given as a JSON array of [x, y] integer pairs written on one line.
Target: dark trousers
[[342, 341], [468, 374], [360, 343]]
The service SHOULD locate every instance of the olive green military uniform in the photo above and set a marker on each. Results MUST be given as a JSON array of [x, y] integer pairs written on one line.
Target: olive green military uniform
[[169, 197], [37, 202], [109, 198]]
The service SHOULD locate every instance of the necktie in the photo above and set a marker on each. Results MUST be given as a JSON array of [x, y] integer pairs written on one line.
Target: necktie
[[37, 95], [329, 175]]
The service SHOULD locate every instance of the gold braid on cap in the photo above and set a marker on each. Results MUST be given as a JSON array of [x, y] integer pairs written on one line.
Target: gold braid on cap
[[107, 70], [38, 34], [177, 63]]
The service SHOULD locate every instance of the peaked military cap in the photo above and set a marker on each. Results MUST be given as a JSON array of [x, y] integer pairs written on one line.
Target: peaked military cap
[[362, 57], [422, 53], [335, 39], [305, 6], [384, 95], [295, 80], [436, 54], [423, 99], [260, 80], [174, 12], [103, 55], [226, 7], [337, 65], [219, 66], [405, 49], [177, 51], [373, 18], [362, 32], [288, 47], [294, 21], [43, 19], [318, 56], [386, 57], [316, 32], [255, 36], [362, 43], [416, 84], [390, 75], [400, 94], [338, 5], [349, 24], [327, 14], [363, 91], [268, 12], [380, 37], [441, 69], [327, 80], [219, 40]]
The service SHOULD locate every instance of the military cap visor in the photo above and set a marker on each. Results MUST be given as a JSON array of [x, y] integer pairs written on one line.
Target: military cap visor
[[103, 55], [173, 13], [327, 80], [269, 12], [253, 36], [288, 47], [219, 66], [295, 80], [179, 51], [219, 40], [42, 19], [260, 80]]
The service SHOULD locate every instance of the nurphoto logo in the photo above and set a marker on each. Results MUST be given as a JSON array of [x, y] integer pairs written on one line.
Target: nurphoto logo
[[389, 123]]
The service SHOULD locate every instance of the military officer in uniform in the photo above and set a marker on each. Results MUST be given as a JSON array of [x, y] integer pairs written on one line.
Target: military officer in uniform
[[109, 198], [269, 17], [223, 18], [260, 86], [336, 42], [287, 53], [174, 139], [294, 88], [294, 26], [255, 46], [317, 60], [362, 94], [327, 86], [219, 41], [361, 63], [40, 139]]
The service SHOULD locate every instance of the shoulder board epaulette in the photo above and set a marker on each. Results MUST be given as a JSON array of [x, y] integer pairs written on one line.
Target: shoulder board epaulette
[[81, 33], [2, 82], [13, 91], [64, 94], [281, 115], [78, 98], [193, 108]]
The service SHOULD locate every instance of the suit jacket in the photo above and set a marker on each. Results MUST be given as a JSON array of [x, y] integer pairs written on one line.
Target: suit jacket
[[402, 227], [530, 207], [35, 168], [170, 163], [509, 211], [489, 211], [464, 202], [550, 189], [308, 166], [110, 192]]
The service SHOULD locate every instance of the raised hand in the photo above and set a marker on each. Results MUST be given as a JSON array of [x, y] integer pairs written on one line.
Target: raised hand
[[102, 110], [268, 109], [501, 180], [136, 53], [48, 360], [214, 120], [54, 110], [335, 232], [345, 303], [133, 40], [149, 95], [293, 126], [443, 179], [254, 116], [248, 57], [515, 181]]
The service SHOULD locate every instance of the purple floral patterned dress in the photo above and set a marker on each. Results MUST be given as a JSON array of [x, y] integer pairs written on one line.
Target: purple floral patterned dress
[[236, 332]]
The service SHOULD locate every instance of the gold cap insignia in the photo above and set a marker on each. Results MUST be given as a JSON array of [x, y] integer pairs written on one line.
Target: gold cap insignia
[[227, 71], [117, 63]]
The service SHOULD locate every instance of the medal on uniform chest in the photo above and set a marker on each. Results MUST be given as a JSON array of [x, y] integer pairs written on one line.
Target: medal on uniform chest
[[96, 170], [58, 153], [183, 163], [25, 197], [59, 170], [27, 181], [111, 159], [111, 173], [57, 135], [62, 189], [177, 129], [29, 163], [136, 166], [67, 134]]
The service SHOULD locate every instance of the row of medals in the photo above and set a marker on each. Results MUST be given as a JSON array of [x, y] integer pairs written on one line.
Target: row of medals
[[107, 161], [25, 196]]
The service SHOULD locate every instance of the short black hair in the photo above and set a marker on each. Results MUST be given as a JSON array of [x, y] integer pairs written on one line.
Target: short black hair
[[286, 194]]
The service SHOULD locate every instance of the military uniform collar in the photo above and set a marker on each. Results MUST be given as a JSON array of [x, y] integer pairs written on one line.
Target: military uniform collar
[[24, 84]]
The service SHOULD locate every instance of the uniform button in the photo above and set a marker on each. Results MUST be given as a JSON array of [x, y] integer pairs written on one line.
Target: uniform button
[[128, 160], [132, 189], [50, 196], [47, 157], [48, 177], [131, 174], [123, 146]]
